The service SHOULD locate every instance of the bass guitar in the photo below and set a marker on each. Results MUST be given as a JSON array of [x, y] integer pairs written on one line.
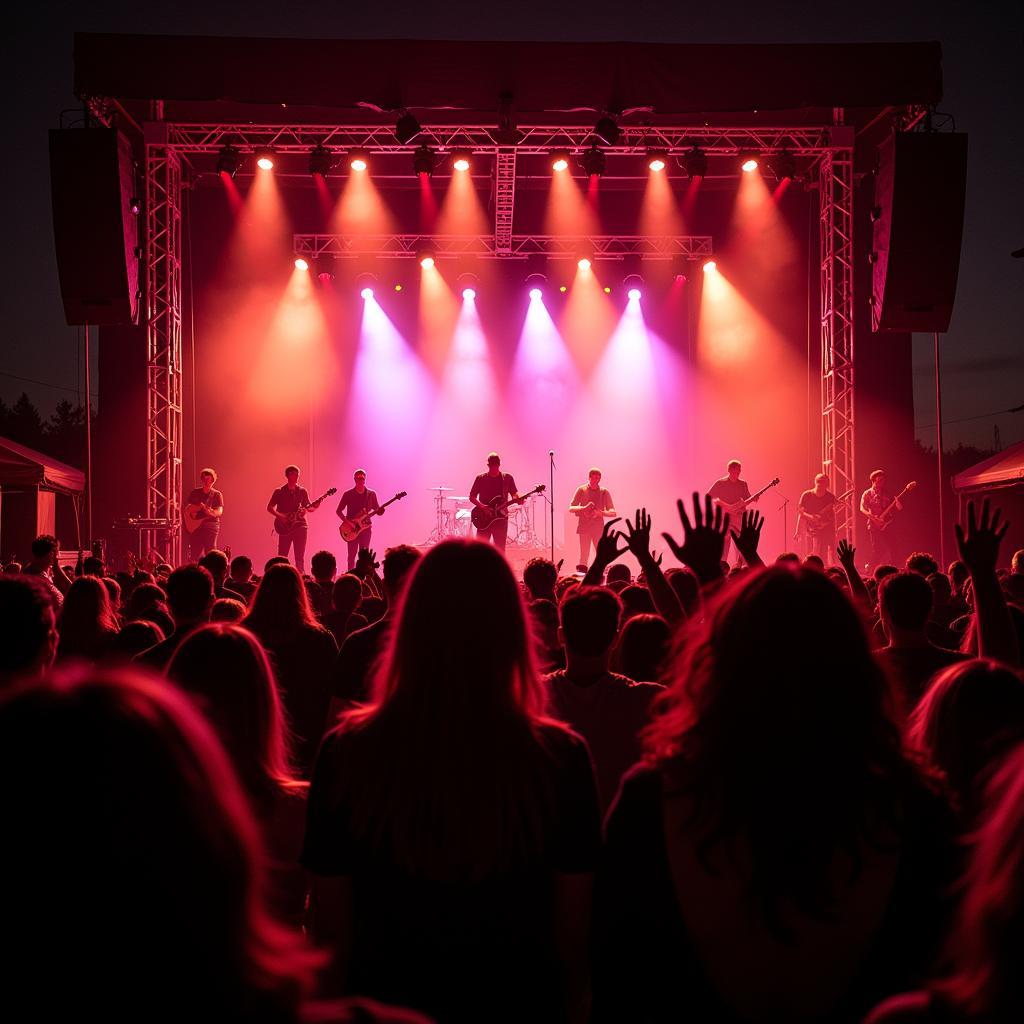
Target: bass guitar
[[298, 517], [352, 528], [880, 523], [812, 523], [496, 508], [737, 507]]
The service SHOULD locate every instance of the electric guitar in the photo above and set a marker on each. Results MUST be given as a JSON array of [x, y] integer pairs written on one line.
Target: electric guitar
[[814, 522], [880, 523], [498, 509], [298, 517], [195, 515], [352, 528], [737, 507]]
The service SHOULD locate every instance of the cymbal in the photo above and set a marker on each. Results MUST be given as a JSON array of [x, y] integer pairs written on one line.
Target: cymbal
[[439, 488], [459, 497]]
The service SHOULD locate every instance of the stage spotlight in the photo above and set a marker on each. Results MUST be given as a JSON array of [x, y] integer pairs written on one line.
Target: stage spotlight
[[461, 159], [535, 282], [407, 128], [710, 266], [562, 288], [656, 159], [425, 258], [607, 290], [265, 159], [593, 161], [583, 263], [324, 266], [633, 283], [536, 293], [633, 294], [607, 130], [228, 160], [321, 161], [560, 160], [695, 163], [748, 163], [365, 284], [301, 264], [783, 165], [358, 160], [423, 160], [469, 293], [367, 292], [398, 287]]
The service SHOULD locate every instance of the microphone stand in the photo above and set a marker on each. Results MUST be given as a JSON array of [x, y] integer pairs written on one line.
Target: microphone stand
[[551, 500], [784, 509]]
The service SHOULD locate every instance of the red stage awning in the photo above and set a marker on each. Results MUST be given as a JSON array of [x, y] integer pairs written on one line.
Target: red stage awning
[[25, 467], [201, 77]]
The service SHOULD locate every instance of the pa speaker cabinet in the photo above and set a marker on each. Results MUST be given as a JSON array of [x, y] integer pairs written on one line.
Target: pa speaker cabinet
[[92, 182], [918, 217]]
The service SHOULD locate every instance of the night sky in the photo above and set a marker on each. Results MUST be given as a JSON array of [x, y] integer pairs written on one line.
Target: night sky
[[983, 354]]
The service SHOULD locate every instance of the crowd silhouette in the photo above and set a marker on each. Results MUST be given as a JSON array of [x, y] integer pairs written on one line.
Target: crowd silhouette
[[424, 790]]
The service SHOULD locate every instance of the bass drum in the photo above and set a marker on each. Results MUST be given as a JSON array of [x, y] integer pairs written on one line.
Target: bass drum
[[463, 523]]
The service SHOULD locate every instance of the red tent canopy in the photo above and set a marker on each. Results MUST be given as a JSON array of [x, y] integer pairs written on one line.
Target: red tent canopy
[[24, 467]]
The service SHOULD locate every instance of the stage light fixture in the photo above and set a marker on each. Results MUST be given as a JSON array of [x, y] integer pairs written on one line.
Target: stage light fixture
[[656, 159], [265, 159], [593, 162], [324, 267], [301, 264], [461, 159], [469, 283], [228, 160], [748, 163], [425, 258], [321, 161], [536, 283], [560, 160], [536, 293], [358, 160], [469, 294], [710, 266], [695, 163], [507, 134], [398, 287], [783, 165], [633, 283], [423, 160], [607, 290], [562, 288], [583, 263], [406, 128], [607, 130], [367, 292]]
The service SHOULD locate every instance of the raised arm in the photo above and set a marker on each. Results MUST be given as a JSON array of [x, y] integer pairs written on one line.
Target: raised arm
[[703, 540], [638, 537], [848, 560], [749, 537], [979, 549], [607, 551]]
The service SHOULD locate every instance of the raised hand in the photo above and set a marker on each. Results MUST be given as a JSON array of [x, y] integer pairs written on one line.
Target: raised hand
[[979, 544], [749, 536], [847, 553], [703, 539], [366, 561], [608, 546], [638, 535]]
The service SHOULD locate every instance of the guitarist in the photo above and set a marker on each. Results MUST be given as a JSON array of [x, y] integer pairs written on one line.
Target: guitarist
[[591, 504], [488, 486], [284, 502], [354, 502], [204, 538], [874, 502], [817, 519], [729, 492]]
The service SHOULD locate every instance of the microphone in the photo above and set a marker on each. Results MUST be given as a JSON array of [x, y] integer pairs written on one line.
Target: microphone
[[551, 454]]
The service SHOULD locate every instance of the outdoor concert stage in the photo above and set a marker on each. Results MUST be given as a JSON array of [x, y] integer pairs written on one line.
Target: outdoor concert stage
[[650, 307]]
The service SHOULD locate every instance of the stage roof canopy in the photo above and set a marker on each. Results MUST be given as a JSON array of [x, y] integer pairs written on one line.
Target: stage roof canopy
[[201, 78], [24, 467], [1004, 469]]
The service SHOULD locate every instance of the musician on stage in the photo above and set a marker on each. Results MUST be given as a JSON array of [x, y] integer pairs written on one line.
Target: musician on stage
[[210, 504], [730, 492], [816, 520], [285, 501], [591, 504], [354, 502], [874, 503], [486, 488]]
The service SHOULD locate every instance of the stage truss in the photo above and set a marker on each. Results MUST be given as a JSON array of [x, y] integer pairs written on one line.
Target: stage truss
[[829, 148]]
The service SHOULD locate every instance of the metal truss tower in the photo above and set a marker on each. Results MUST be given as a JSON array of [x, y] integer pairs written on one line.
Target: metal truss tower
[[164, 421]]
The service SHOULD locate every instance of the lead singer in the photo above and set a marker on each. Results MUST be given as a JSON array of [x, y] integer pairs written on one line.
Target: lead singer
[[591, 504]]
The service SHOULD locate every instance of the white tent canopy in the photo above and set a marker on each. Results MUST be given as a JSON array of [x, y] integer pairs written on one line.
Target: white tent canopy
[[1004, 469]]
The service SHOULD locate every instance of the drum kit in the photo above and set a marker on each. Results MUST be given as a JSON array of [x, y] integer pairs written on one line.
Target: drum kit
[[452, 518]]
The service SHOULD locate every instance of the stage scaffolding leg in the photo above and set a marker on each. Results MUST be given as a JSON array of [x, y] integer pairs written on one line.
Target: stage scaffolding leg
[[835, 181], [164, 425]]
